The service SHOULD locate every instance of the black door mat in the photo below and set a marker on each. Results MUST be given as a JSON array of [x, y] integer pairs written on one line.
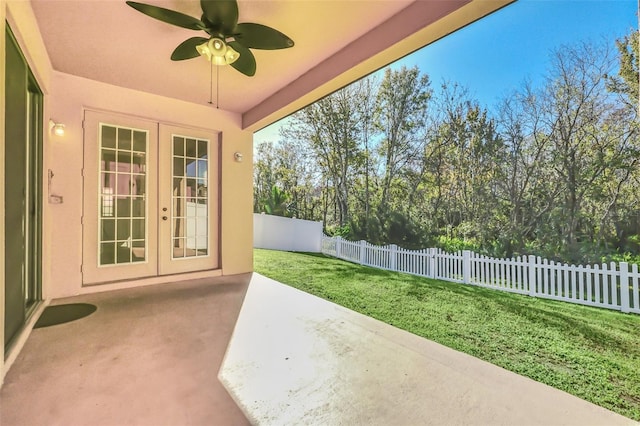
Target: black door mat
[[59, 314]]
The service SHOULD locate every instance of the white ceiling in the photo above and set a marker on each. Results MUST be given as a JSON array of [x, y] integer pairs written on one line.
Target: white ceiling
[[108, 41], [111, 42]]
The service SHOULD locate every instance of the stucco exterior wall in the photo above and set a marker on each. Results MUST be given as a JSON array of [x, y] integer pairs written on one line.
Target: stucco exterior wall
[[70, 96]]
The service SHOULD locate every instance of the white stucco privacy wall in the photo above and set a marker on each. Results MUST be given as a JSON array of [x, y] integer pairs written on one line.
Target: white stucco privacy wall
[[283, 233]]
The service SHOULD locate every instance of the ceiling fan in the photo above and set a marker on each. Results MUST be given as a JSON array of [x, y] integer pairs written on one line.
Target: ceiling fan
[[228, 42]]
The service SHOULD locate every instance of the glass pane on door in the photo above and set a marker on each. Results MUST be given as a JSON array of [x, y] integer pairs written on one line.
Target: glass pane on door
[[122, 204], [189, 199]]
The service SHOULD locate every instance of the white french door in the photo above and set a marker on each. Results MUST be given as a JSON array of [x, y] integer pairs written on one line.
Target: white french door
[[188, 195], [150, 199]]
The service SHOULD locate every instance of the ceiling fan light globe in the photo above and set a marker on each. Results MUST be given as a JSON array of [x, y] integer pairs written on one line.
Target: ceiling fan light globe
[[217, 47], [231, 55], [218, 52], [203, 50]]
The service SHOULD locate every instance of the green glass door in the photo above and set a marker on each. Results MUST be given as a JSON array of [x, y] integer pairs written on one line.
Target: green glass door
[[23, 190]]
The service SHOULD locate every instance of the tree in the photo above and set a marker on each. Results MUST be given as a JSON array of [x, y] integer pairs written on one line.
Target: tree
[[574, 108], [366, 104], [528, 191], [287, 165], [264, 174], [331, 129], [572, 153], [276, 203], [463, 158], [627, 81], [402, 106]]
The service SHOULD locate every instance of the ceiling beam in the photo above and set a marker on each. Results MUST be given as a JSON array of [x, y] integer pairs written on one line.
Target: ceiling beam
[[419, 24]]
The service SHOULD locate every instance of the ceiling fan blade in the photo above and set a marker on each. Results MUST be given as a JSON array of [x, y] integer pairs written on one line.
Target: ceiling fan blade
[[168, 16], [222, 15], [257, 36], [246, 63], [187, 49]]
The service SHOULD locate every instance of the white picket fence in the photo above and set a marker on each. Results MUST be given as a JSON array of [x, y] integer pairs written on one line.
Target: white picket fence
[[613, 286]]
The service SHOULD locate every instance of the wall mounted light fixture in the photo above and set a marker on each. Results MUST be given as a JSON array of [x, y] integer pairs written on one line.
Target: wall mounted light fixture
[[238, 156], [56, 128]]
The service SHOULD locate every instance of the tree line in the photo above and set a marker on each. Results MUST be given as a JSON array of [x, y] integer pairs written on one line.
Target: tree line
[[552, 170]]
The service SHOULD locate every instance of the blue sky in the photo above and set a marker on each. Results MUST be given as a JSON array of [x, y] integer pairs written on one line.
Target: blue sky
[[495, 55]]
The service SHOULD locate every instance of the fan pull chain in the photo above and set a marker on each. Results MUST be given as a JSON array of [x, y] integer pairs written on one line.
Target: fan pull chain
[[211, 84], [217, 86]]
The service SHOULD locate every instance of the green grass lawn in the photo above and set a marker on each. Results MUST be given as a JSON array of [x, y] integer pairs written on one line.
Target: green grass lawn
[[588, 352]]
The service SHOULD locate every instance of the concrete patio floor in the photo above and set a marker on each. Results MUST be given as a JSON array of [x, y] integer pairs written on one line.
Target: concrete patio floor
[[298, 359], [147, 356], [151, 356]]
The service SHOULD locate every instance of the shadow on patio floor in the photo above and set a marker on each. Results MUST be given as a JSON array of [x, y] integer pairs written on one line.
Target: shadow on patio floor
[[147, 356]]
